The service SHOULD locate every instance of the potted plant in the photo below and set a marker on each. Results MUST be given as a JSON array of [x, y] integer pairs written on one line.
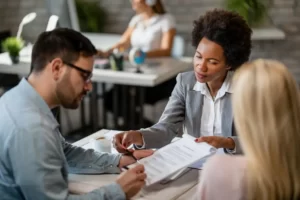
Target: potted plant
[[13, 46], [253, 11], [91, 15]]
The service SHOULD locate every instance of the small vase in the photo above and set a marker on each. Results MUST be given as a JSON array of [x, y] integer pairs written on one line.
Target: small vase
[[14, 59]]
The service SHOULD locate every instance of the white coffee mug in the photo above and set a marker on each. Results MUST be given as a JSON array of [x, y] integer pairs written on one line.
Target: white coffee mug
[[102, 145]]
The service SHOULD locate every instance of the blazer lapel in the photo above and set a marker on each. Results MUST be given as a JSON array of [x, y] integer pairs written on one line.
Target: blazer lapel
[[227, 116], [194, 110]]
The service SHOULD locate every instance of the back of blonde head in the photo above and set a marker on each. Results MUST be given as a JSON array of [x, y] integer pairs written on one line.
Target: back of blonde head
[[267, 116]]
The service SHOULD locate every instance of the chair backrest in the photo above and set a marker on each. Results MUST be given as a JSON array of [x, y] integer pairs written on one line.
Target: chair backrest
[[66, 11], [178, 47], [52, 22]]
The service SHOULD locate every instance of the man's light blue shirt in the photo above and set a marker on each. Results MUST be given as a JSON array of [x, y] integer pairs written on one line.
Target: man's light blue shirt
[[35, 159]]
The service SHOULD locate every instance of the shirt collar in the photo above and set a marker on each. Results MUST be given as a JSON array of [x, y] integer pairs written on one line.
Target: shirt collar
[[151, 21], [226, 86], [35, 99]]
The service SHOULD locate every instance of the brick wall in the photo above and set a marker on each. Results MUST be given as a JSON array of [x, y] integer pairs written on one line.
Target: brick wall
[[12, 12], [285, 14]]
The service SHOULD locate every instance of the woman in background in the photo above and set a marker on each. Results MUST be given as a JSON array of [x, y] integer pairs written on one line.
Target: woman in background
[[267, 114], [151, 29]]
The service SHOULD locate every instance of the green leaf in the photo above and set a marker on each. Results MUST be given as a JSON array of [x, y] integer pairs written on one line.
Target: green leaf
[[92, 17], [253, 11]]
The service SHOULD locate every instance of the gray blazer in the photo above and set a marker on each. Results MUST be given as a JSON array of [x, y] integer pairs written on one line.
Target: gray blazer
[[183, 112]]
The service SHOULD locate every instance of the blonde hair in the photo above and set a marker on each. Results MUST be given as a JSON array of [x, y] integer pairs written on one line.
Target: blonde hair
[[267, 117]]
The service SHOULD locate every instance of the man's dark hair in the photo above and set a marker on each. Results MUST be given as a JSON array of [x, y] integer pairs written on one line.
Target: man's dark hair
[[65, 43], [227, 29]]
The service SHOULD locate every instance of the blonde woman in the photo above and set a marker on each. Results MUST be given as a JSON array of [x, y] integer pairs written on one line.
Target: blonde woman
[[267, 115]]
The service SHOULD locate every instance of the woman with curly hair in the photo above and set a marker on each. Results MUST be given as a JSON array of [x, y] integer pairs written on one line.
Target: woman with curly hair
[[267, 113], [201, 100]]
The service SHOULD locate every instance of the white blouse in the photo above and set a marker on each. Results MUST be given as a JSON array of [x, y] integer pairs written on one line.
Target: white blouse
[[212, 109], [147, 35]]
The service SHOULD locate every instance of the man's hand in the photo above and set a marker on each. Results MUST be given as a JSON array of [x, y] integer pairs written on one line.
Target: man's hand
[[123, 140], [138, 154], [132, 180], [217, 141]]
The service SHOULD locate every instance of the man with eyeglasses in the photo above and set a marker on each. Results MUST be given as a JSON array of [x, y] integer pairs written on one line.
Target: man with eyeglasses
[[34, 158]]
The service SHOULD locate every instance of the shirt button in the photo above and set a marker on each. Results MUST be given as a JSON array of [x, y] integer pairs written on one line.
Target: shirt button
[[110, 165], [90, 166]]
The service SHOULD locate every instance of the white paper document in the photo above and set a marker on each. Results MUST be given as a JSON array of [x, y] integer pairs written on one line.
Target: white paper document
[[174, 157], [200, 164]]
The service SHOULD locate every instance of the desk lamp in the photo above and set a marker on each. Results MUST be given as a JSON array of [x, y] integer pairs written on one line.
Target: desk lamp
[[27, 19]]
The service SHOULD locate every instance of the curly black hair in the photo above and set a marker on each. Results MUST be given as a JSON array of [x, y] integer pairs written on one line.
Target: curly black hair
[[229, 30]]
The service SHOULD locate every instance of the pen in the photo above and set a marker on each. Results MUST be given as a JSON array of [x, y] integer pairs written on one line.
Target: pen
[[128, 153]]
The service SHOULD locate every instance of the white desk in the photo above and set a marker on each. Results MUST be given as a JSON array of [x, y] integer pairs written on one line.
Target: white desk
[[21, 69], [103, 41], [155, 71], [181, 189]]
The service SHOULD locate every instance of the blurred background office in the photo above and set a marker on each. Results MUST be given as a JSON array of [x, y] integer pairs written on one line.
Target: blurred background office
[[276, 34]]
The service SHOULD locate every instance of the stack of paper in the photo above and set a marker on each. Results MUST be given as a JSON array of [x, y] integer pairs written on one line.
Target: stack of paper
[[197, 165], [174, 157], [171, 161]]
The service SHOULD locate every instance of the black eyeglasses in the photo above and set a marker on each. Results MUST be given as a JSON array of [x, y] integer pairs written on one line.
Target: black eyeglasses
[[87, 74]]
